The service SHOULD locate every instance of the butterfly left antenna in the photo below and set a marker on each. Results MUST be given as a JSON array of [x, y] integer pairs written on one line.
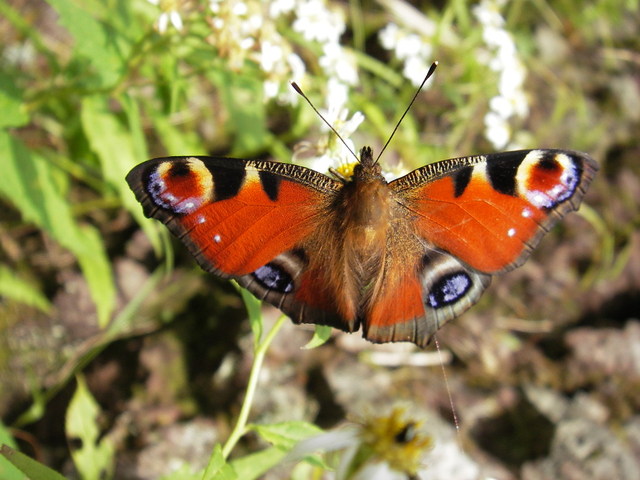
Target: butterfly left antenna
[[301, 93], [429, 73]]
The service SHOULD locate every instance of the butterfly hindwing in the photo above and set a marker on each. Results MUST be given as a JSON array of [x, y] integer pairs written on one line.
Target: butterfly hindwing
[[303, 293], [490, 211], [437, 289]]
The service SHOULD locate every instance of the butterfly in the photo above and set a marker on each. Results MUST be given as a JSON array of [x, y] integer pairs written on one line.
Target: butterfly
[[399, 258]]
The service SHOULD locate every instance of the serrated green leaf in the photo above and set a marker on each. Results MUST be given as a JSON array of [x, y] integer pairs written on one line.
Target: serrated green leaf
[[286, 435], [95, 457], [218, 468], [12, 107], [97, 42], [28, 466], [29, 183], [15, 288]]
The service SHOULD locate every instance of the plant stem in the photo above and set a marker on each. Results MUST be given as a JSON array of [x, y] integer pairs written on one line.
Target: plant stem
[[241, 425]]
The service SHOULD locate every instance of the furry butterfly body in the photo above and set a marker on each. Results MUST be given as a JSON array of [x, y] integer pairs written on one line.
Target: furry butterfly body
[[398, 258]]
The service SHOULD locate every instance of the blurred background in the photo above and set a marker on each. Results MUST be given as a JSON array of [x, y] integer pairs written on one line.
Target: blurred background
[[120, 358]]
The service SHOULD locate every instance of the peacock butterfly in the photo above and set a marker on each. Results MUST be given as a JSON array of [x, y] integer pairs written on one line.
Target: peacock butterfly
[[398, 258]]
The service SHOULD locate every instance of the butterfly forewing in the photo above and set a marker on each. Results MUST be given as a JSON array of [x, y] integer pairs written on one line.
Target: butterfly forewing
[[490, 211]]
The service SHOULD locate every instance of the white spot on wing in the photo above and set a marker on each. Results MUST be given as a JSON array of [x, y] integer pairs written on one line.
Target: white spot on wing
[[526, 213], [511, 232], [217, 238]]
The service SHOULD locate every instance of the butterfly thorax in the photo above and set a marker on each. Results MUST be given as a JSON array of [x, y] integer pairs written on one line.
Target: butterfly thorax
[[365, 203]]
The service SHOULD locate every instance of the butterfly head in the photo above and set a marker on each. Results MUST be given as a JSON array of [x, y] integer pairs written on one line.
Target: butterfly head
[[368, 168]]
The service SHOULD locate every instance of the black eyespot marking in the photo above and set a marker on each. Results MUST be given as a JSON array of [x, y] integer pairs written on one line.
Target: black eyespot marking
[[227, 182], [461, 179], [449, 289], [549, 162], [274, 277], [179, 169], [502, 175], [270, 184]]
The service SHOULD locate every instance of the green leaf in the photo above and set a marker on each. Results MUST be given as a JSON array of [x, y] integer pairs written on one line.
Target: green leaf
[[15, 288], [175, 141], [242, 96], [97, 42], [12, 106], [95, 457], [28, 466], [286, 434], [119, 149], [254, 465], [7, 470], [218, 468], [29, 182], [253, 306], [321, 334]]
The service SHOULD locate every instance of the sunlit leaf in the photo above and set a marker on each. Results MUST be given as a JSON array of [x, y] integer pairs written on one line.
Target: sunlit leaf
[[218, 468], [96, 42], [254, 465], [321, 334], [28, 466], [119, 149], [286, 434], [29, 185], [15, 288], [95, 457], [11, 104]]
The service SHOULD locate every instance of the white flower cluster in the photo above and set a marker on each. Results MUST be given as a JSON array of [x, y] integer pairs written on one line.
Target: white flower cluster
[[511, 100], [248, 30], [414, 50]]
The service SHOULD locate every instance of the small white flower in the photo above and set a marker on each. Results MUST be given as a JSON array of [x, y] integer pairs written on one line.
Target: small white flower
[[270, 55], [296, 65], [502, 58], [316, 23], [169, 15], [336, 61], [408, 46], [388, 36], [414, 50], [240, 9], [280, 7], [415, 68], [497, 130], [270, 88], [381, 448]]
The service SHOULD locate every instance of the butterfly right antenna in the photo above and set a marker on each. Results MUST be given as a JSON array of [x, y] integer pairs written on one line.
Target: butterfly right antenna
[[429, 73]]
